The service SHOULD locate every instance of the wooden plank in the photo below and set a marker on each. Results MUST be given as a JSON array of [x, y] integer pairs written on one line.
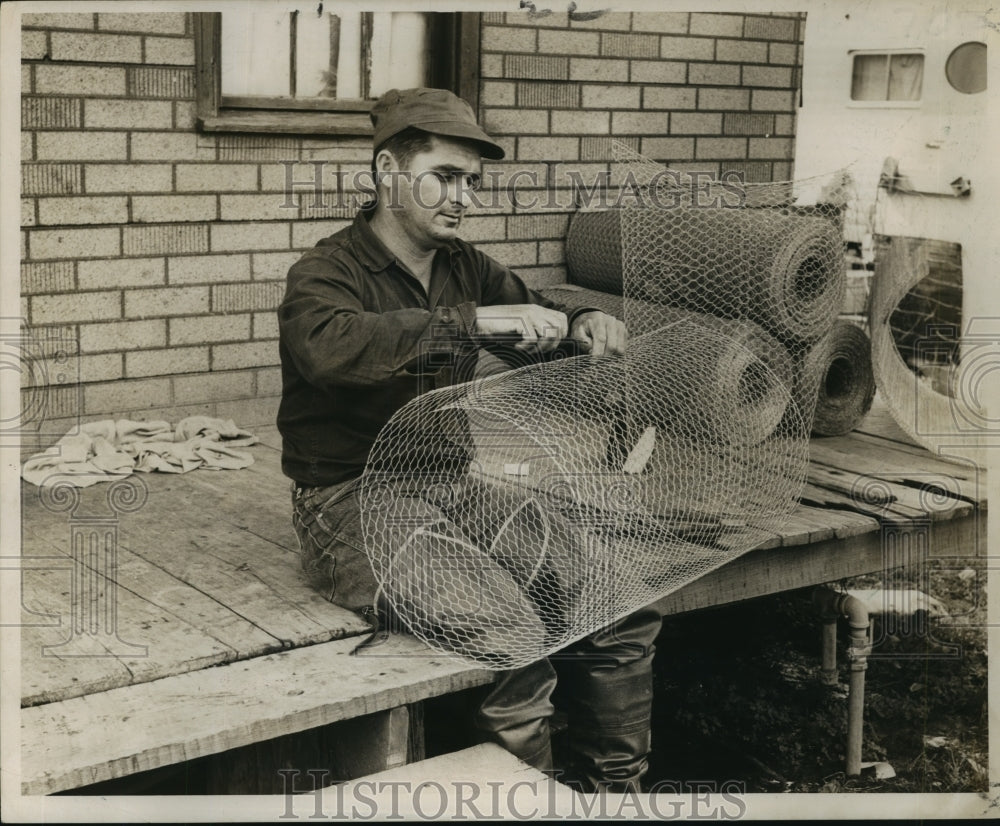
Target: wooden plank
[[880, 424], [825, 498], [163, 626], [800, 527], [807, 524], [339, 751], [287, 122], [313, 104], [938, 506], [208, 66], [750, 536], [375, 744], [259, 580], [843, 524], [898, 498], [483, 782], [416, 740], [921, 457], [234, 568], [229, 492], [922, 473], [126, 730], [482, 764], [224, 593], [770, 571], [147, 578], [44, 674], [910, 456], [865, 498], [269, 437], [865, 446]]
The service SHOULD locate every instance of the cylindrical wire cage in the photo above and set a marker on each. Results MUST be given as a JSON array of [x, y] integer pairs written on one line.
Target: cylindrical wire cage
[[509, 516]]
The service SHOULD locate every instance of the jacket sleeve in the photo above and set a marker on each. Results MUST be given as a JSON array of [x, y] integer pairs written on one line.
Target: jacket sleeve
[[334, 342], [502, 286]]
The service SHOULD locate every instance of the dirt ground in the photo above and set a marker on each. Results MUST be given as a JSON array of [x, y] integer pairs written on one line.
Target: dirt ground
[[739, 696]]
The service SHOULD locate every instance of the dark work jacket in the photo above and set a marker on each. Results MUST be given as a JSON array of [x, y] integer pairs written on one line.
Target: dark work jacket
[[359, 338]]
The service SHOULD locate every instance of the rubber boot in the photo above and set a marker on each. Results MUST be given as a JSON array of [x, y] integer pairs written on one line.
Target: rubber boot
[[516, 712], [609, 728], [609, 704]]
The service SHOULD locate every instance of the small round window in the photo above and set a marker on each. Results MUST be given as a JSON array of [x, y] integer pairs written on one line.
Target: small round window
[[966, 68]]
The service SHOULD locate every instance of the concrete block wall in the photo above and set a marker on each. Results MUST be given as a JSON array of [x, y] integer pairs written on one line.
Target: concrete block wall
[[153, 255], [693, 91]]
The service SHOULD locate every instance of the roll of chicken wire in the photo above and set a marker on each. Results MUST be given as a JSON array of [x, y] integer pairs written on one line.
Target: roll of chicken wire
[[507, 517], [755, 252], [840, 370], [781, 269], [732, 353], [935, 378], [594, 251]]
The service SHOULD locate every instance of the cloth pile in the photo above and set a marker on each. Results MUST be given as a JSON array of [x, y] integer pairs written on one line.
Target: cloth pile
[[108, 450]]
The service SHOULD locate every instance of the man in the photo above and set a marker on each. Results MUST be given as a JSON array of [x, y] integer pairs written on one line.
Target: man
[[361, 311]]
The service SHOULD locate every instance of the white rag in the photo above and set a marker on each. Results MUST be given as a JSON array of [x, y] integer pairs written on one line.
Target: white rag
[[108, 450]]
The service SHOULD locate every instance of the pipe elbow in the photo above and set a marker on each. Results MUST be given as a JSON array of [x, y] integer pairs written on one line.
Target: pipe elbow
[[832, 604], [855, 611]]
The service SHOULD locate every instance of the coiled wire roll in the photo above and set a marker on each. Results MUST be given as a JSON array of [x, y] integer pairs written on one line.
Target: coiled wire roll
[[782, 270], [749, 374], [840, 368]]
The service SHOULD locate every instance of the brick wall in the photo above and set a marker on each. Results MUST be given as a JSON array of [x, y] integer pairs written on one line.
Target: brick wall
[[153, 256], [694, 91]]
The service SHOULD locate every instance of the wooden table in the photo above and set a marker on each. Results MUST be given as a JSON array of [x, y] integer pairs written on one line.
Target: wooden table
[[180, 627]]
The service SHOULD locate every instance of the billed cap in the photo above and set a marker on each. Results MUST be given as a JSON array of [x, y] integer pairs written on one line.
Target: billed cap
[[437, 111]]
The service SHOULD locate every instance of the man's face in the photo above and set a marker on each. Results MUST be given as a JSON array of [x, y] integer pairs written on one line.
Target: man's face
[[433, 191]]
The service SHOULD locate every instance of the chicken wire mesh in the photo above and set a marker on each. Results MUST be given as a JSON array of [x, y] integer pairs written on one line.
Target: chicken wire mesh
[[769, 256], [509, 516]]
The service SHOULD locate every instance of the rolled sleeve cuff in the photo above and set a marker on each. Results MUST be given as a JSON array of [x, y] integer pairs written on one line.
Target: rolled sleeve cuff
[[467, 315], [575, 314], [454, 324]]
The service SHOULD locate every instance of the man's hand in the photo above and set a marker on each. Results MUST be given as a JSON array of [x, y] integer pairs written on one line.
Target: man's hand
[[539, 327], [600, 334]]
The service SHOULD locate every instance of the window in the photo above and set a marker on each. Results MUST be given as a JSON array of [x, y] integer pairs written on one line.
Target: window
[[884, 76], [278, 68], [966, 68]]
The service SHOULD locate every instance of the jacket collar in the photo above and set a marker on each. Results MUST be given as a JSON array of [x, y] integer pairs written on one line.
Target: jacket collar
[[371, 251]]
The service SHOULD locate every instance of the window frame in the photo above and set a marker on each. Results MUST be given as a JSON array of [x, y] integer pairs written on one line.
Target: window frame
[[852, 103], [455, 68]]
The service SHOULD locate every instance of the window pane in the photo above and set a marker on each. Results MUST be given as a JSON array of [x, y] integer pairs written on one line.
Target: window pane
[[399, 51], [255, 52], [345, 56], [313, 74], [349, 57], [869, 79], [409, 66], [380, 51], [906, 75], [966, 68]]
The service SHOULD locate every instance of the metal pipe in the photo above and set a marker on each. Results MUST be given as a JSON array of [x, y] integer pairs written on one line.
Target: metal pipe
[[831, 605], [829, 667]]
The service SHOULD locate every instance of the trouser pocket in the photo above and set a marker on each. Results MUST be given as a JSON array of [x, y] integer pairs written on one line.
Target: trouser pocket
[[327, 522]]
